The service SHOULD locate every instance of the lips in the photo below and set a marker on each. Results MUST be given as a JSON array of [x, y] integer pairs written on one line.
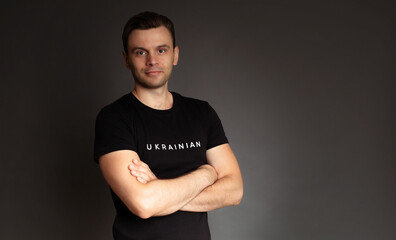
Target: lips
[[153, 72]]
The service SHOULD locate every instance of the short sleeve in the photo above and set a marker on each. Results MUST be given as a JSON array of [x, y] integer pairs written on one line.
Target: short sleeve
[[216, 135], [112, 132]]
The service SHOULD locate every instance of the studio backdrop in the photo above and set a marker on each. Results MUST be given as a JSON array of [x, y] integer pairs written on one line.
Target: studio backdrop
[[305, 91]]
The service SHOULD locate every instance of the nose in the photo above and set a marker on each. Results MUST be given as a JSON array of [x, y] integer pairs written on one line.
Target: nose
[[151, 59]]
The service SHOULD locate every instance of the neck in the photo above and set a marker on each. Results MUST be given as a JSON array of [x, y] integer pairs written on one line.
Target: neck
[[160, 99]]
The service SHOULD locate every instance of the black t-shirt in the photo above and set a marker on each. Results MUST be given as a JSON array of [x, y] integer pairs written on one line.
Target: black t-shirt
[[172, 142]]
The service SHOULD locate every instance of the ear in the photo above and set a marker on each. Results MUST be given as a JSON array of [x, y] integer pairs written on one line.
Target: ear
[[125, 57], [175, 55]]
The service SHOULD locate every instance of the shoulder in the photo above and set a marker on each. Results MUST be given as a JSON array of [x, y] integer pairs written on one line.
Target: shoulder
[[120, 105], [119, 108], [191, 103]]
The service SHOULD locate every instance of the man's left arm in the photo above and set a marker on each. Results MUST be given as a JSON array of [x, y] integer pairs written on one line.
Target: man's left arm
[[227, 190]]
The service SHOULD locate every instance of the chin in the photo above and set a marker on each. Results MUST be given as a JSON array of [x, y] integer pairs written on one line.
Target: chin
[[151, 85], [150, 82]]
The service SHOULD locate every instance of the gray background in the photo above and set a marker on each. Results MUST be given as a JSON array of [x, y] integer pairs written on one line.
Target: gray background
[[305, 90]]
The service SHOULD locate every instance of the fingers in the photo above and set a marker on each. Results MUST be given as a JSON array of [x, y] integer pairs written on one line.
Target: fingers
[[139, 166], [211, 170], [141, 176], [140, 163], [141, 171]]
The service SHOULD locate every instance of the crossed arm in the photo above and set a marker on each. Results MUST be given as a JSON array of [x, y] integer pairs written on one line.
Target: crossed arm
[[214, 185]]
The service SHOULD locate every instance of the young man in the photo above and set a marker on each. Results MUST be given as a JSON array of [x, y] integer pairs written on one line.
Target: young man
[[165, 157]]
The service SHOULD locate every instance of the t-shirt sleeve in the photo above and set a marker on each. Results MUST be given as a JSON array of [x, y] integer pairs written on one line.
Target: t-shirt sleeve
[[216, 134], [112, 132]]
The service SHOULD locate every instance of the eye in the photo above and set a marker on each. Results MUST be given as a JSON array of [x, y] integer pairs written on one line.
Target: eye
[[140, 53], [161, 51]]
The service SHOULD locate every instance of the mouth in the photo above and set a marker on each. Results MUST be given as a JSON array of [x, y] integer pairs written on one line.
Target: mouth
[[153, 72]]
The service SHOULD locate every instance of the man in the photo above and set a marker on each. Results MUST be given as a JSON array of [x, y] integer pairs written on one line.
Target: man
[[165, 157]]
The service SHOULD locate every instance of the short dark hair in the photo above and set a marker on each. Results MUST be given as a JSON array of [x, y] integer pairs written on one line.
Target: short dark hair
[[146, 20]]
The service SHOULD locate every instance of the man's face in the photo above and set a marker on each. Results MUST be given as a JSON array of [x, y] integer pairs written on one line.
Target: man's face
[[151, 56]]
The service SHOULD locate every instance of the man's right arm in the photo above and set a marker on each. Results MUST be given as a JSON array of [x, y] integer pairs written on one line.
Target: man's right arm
[[157, 197]]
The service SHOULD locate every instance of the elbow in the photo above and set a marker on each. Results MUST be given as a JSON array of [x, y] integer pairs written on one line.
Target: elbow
[[143, 214], [141, 210], [238, 196], [142, 206]]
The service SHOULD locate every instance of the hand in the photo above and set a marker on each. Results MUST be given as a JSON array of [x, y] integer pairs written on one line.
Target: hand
[[212, 173], [141, 171]]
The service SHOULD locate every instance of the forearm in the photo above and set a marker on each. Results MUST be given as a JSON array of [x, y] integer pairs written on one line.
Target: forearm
[[226, 191], [166, 196]]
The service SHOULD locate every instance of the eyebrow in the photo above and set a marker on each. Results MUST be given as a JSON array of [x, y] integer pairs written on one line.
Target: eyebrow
[[164, 46], [142, 48]]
